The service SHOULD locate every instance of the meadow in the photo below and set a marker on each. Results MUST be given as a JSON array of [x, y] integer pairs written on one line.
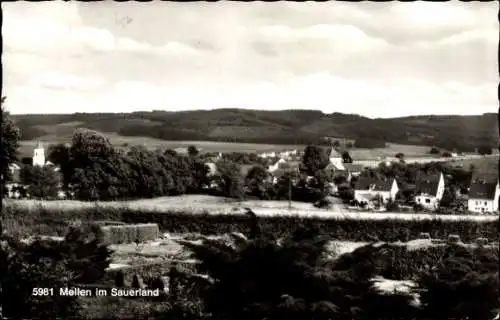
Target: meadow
[[27, 146], [203, 204], [62, 132], [483, 164]]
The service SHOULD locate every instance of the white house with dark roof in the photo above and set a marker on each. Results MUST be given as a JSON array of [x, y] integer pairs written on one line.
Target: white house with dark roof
[[483, 195], [429, 190], [367, 190]]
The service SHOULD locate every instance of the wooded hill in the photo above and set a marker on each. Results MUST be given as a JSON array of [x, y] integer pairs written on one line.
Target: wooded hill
[[464, 133]]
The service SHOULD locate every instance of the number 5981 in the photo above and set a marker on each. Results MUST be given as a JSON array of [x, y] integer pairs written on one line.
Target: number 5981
[[43, 292]]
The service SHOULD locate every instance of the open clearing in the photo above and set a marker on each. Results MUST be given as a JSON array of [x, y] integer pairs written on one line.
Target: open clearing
[[195, 204], [26, 148], [483, 164], [64, 134], [390, 150], [168, 248]]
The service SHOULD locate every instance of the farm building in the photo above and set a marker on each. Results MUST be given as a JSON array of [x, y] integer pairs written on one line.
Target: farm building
[[368, 190], [429, 190], [484, 195]]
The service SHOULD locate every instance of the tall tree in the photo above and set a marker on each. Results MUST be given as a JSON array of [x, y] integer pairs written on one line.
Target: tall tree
[[42, 182], [9, 143], [255, 181], [90, 156], [346, 157], [59, 155], [230, 179], [314, 159], [193, 151]]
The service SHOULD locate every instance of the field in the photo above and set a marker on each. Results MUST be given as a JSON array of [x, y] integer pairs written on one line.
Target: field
[[26, 148], [484, 164], [201, 204], [390, 150], [62, 133]]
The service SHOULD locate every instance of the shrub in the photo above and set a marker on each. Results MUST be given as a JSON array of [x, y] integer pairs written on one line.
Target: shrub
[[129, 233], [323, 203], [463, 285], [51, 265], [392, 206], [434, 150]]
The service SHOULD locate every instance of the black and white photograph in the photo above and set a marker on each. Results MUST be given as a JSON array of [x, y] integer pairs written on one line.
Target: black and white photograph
[[239, 160]]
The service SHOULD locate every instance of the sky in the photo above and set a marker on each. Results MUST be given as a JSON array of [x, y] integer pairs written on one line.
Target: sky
[[387, 59]]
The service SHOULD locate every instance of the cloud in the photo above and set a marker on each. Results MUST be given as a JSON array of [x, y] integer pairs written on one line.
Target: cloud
[[348, 38], [376, 59], [61, 81], [49, 32]]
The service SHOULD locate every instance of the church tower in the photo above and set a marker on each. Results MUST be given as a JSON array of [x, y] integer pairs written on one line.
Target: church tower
[[39, 155]]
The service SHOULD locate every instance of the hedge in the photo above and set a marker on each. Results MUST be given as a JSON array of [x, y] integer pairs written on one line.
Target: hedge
[[388, 230], [129, 233]]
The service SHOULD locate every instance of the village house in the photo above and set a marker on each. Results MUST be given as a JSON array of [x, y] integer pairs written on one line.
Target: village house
[[354, 169], [288, 154], [15, 183], [429, 191], [336, 159], [267, 155], [483, 195], [275, 165], [368, 190]]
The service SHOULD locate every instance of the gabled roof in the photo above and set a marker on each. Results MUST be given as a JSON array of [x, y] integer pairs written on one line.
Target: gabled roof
[[272, 163], [332, 167], [364, 183], [427, 184], [483, 189], [334, 153]]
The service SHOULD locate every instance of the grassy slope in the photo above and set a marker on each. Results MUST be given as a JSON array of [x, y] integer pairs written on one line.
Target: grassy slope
[[269, 126]]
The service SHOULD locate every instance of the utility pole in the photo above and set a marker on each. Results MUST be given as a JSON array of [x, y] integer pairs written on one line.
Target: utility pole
[[290, 193], [292, 172]]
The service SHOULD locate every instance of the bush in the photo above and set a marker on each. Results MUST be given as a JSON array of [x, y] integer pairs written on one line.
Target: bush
[[129, 233], [51, 265], [434, 150], [323, 203], [392, 206], [462, 285]]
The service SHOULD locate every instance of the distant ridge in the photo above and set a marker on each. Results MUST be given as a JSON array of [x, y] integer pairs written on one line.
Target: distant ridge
[[463, 133]]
